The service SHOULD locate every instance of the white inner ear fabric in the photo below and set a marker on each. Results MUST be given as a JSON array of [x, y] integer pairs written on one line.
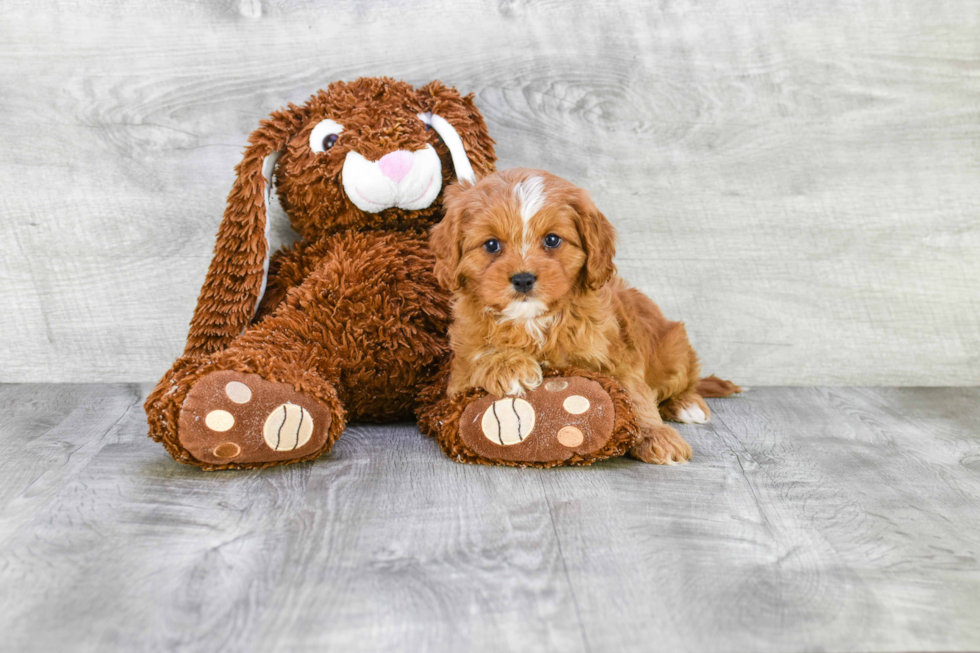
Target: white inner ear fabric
[[447, 132], [268, 167]]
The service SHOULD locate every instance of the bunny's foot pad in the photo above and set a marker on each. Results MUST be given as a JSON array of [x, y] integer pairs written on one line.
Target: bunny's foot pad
[[566, 420], [233, 417]]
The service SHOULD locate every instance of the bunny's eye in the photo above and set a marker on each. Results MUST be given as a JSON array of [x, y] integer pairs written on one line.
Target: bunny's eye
[[552, 241], [324, 136], [492, 246]]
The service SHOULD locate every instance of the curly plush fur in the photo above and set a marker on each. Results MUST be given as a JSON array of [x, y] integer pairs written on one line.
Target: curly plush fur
[[352, 316]]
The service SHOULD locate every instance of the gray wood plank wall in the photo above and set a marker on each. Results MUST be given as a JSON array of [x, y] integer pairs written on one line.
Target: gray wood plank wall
[[796, 180]]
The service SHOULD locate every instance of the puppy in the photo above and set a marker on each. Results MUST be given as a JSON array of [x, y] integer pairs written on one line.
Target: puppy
[[530, 260]]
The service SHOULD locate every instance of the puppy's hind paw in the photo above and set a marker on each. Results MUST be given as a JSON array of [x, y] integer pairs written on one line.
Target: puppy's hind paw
[[692, 415], [686, 409], [661, 445]]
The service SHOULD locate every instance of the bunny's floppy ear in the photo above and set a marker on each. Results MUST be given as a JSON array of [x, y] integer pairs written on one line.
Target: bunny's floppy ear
[[238, 273], [461, 127], [449, 136]]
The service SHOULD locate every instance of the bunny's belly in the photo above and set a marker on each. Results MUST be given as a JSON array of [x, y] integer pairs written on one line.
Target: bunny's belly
[[371, 319]]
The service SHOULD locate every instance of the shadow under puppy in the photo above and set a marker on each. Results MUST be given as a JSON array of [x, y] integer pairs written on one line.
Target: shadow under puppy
[[529, 258]]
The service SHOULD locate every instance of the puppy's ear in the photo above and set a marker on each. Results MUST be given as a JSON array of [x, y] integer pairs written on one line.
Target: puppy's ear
[[599, 242], [237, 276], [444, 239]]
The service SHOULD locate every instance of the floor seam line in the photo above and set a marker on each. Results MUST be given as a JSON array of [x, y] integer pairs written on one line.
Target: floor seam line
[[564, 566]]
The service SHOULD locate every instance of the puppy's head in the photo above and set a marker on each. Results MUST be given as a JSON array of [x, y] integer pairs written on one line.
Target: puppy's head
[[521, 241]]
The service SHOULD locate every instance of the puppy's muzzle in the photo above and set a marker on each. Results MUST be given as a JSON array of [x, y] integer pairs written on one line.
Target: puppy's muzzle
[[523, 281]]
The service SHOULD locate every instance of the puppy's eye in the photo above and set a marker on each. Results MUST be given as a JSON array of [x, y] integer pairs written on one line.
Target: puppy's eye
[[492, 246], [552, 241], [324, 135]]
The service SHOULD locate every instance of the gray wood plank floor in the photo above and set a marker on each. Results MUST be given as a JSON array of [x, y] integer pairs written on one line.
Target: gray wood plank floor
[[836, 519]]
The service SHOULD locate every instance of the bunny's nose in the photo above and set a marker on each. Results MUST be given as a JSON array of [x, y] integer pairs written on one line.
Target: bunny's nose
[[396, 165]]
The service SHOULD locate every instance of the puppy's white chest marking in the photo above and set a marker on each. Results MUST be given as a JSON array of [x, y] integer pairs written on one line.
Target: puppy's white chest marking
[[531, 314], [538, 327], [522, 311]]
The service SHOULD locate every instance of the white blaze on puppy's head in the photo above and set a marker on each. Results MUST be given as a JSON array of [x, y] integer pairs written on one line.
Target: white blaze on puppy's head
[[530, 196]]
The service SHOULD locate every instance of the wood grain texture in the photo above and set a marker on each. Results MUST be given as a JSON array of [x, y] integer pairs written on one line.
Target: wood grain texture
[[810, 519], [796, 180]]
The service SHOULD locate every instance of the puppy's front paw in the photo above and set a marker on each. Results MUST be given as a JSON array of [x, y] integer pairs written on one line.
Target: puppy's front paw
[[661, 445], [514, 380]]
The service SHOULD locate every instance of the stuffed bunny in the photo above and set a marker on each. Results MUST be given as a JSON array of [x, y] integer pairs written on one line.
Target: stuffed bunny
[[349, 323]]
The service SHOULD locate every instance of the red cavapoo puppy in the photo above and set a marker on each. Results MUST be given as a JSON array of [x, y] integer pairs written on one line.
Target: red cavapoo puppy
[[530, 260]]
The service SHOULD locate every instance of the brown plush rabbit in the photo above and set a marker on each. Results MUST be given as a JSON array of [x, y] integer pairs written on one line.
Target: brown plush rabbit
[[348, 323]]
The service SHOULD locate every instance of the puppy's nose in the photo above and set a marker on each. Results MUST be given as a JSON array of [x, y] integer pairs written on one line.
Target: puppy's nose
[[523, 281], [396, 165]]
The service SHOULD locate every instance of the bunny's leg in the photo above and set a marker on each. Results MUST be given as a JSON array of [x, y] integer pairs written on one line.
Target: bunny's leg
[[354, 339], [255, 404], [241, 385]]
